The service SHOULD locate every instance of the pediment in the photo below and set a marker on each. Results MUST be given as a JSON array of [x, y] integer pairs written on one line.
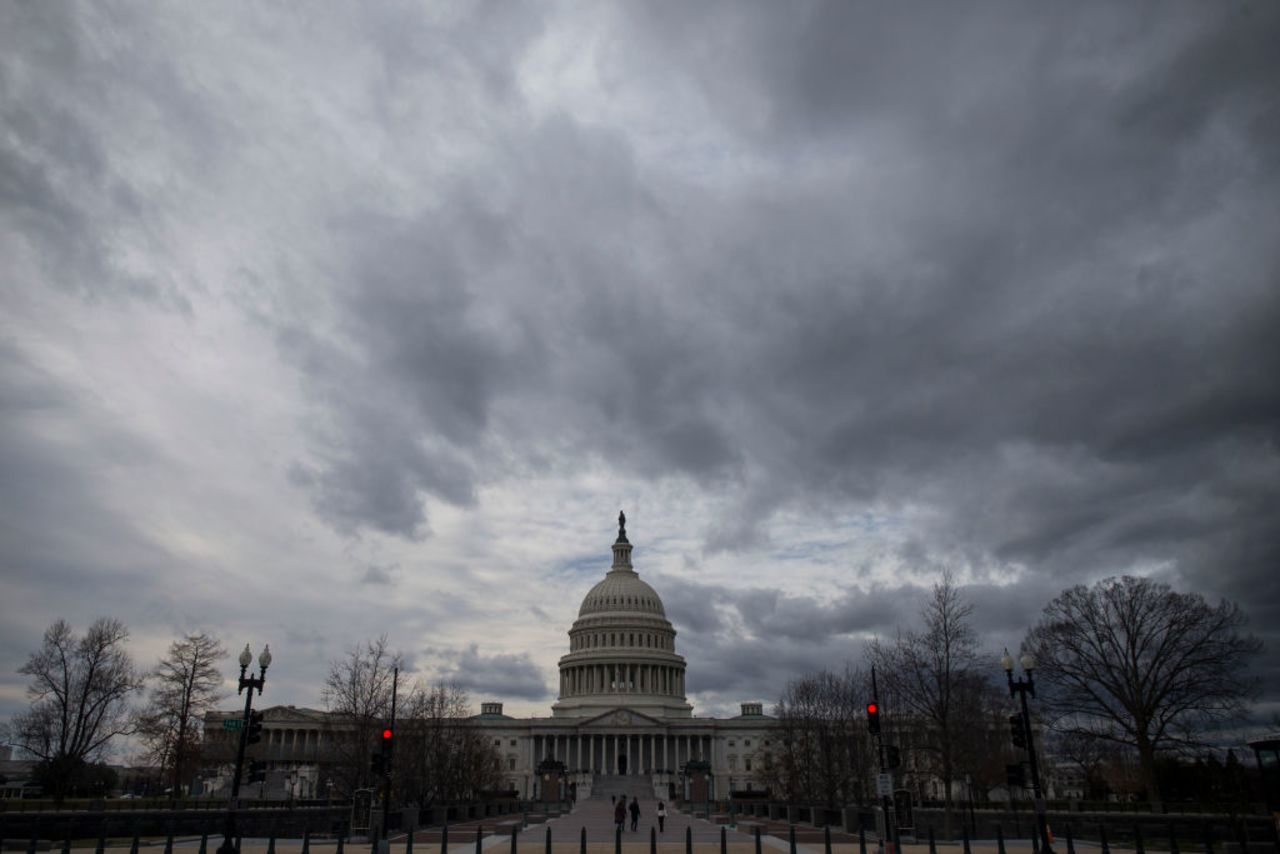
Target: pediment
[[621, 718]]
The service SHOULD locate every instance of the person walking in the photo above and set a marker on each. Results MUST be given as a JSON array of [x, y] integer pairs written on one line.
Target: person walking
[[620, 813], [635, 813], [662, 816]]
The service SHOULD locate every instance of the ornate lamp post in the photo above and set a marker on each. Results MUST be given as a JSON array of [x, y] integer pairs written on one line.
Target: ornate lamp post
[[251, 682], [1021, 687]]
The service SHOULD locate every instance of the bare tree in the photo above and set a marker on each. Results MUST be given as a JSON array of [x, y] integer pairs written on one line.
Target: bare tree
[[357, 693], [935, 679], [823, 755], [441, 755], [1131, 662], [186, 684], [79, 699]]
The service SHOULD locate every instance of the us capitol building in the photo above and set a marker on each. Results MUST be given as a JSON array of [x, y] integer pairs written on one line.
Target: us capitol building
[[621, 709]]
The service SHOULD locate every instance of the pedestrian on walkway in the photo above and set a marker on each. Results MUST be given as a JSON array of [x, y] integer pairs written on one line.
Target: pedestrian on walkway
[[620, 813], [635, 813], [662, 816]]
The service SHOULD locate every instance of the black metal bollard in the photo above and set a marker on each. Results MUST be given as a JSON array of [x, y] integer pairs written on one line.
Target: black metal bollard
[[306, 840], [444, 839], [1102, 839], [479, 828], [342, 838], [1035, 839], [204, 842], [408, 842], [791, 836], [582, 841], [1173, 841], [862, 839], [826, 838], [724, 846], [35, 833], [1138, 847], [1071, 840], [168, 840], [1242, 835], [1000, 839], [66, 846], [1208, 838], [133, 846], [688, 841], [653, 840], [514, 830], [617, 839], [964, 836], [271, 840], [548, 848], [933, 845], [758, 840], [102, 839]]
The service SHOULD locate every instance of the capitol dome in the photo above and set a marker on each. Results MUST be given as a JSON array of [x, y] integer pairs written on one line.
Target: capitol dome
[[622, 648]]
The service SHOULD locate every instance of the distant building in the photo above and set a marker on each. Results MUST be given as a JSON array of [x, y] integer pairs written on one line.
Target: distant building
[[621, 711]]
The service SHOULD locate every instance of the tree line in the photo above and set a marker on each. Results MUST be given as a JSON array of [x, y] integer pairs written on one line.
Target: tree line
[[84, 691], [1131, 676]]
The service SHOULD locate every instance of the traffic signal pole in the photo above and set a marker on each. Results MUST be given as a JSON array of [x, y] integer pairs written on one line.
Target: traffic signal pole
[[890, 826], [386, 768]]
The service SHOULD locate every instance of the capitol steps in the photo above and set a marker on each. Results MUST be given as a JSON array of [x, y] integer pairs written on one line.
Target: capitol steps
[[628, 786]]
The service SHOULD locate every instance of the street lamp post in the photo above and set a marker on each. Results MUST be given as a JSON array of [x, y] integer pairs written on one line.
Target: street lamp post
[[251, 682], [1021, 687]]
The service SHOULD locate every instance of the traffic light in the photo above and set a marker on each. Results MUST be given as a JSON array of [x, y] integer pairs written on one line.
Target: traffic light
[[1015, 775], [892, 756], [254, 733], [378, 764], [257, 772], [1016, 731], [873, 718]]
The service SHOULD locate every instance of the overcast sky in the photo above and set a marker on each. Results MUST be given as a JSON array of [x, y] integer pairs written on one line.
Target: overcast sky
[[322, 321]]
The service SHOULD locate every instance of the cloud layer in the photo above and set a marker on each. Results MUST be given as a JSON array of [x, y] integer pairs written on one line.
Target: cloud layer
[[320, 326]]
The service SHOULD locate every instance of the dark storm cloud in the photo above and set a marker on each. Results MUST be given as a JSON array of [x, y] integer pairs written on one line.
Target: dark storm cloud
[[501, 675], [1003, 269]]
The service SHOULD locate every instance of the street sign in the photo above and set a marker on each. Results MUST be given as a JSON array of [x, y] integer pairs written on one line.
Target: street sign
[[884, 785], [233, 723]]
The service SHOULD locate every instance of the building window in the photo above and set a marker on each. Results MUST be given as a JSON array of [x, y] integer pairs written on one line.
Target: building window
[[497, 742], [748, 761], [513, 742], [511, 763], [732, 742], [747, 742]]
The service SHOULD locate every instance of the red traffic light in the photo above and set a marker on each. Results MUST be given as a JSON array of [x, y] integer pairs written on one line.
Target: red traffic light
[[386, 734], [872, 709]]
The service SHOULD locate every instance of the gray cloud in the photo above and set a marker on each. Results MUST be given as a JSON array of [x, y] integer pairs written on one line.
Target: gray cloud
[[1003, 273], [511, 675]]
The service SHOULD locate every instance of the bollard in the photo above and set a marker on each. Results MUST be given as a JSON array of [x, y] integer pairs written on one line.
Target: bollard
[[582, 841], [1173, 841], [478, 835], [1242, 835], [826, 838], [1035, 839], [408, 842], [791, 835], [1208, 838], [617, 839], [271, 840], [1138, 847], [1071, 842], [444, 838], [1000, 839], [862, 838], [342, 838], [133, 846], [168, 841], [653, 840], [514, 831], [34, 843], [688, 840], [758, 840], [724, 847], [66, 846], [964, 836], [239, 841], [933, 845], [204, 842], [548, 848], [1102, 839]]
